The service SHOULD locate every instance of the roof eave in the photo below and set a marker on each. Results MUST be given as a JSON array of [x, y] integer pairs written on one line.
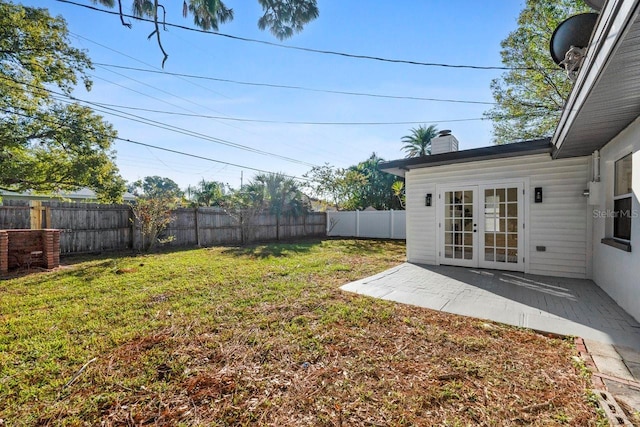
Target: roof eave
[[615, 19], [400, 167]]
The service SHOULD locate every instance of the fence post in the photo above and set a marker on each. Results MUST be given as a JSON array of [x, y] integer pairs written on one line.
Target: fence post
[[195, 212], [36, 214], [357, 223], [391, 231]]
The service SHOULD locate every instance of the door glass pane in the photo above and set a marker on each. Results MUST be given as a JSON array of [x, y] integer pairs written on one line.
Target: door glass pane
[[488, 194], [468, 239], [489, 254], [488, 239], [448, 251], [468, 253], [458, 225], [503, 210], [458, 252], [501, 225]]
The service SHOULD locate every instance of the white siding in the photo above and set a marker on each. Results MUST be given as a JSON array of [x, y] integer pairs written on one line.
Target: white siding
[[559, 223], [618, 272]]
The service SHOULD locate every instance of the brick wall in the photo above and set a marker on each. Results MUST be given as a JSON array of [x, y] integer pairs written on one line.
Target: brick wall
[[16, 247], [4, 252], [51, 247]]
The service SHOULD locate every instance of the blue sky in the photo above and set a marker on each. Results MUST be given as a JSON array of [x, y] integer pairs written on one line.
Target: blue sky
[[443, 31]]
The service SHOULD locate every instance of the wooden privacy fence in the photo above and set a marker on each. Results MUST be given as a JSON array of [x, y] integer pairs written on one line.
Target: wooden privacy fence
[[92, 227]]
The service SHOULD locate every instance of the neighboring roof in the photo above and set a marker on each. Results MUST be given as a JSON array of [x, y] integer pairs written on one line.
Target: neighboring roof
[[526, 148], [79, 195], [606, 96]]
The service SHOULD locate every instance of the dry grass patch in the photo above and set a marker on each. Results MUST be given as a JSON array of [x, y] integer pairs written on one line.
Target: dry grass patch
[[263, 335]]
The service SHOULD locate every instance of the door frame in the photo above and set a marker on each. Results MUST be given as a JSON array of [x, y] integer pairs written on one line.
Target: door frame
[[524, 227], [441, 190]]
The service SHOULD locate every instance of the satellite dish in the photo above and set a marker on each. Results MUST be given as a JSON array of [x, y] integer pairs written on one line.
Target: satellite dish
[[595, 4], [575, 31]]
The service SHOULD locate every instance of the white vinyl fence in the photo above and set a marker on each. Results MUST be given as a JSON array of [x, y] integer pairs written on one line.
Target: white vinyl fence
[[374, 224]]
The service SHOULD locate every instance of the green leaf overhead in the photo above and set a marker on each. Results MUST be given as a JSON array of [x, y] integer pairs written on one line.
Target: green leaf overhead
[[46, 144], [283, 18], [530, 97]]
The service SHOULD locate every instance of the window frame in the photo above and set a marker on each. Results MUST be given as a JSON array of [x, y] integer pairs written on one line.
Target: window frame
[[622, 196]]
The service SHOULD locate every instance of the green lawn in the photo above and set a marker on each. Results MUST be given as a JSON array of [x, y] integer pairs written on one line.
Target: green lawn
[[263, 335]]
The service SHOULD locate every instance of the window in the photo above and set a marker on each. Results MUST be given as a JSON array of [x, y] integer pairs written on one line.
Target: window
[[622, 196]]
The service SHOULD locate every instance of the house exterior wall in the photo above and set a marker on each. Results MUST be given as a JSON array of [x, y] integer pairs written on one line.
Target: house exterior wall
[[616, 271], [560, 222]]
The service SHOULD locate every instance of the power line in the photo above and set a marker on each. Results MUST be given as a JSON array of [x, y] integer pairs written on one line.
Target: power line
[[187, 132], [203, 158], [339, 92], [181, 78], [160, 90], [157, 147], [239, 119], [165, 126], [142, 62], [304, 49]]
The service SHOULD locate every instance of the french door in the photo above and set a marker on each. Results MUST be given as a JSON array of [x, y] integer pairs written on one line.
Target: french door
[[482, 226]]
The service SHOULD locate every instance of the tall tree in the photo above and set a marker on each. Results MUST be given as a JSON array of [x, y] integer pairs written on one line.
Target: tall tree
[[377, 190], [155, 187], [209, 193], [418, 143], [265, 193], [48, 145], [283, 18], [530, 96], [278, 194]]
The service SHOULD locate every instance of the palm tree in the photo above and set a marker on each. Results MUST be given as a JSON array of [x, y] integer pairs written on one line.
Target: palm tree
[[279, 195], [209, 193], [419, 142]]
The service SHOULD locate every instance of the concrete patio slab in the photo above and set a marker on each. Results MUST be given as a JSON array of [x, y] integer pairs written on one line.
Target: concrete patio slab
[[550, 304]]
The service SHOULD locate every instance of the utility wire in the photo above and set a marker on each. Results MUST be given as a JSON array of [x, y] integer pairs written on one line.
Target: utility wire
[[164, 126], [186, 132], [339, 92], [131, 141], [159, 90], [239, 119], [304, 49], [78, 36], [142, 62]]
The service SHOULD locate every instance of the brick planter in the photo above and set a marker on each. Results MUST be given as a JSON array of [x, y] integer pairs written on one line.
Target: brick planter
[[22, 248]]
